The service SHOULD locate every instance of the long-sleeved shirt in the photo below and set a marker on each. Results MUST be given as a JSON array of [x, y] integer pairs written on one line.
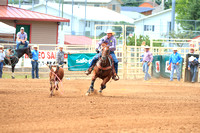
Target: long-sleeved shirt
[[60, 56], [35, 54], [174, 58], [148, 57], [111, 42], [2, 56]]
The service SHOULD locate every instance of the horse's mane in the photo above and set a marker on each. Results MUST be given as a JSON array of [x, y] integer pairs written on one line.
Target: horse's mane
[[21, 49]]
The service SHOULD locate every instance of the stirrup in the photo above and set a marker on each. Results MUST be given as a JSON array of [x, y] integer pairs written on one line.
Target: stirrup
[[115, 77], [87, 72]]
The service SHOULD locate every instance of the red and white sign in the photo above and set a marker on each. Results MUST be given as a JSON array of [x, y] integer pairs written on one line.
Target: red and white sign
[[157, 66], [44, 57]]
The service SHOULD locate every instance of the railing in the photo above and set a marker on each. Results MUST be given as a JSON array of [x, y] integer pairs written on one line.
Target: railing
[[129, 57]]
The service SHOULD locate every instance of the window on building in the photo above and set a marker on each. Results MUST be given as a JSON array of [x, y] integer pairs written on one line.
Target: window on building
[[66, 23], [96, 5], [113, 7], [98, 27], [168, 27], [149, 28], [87, 24]]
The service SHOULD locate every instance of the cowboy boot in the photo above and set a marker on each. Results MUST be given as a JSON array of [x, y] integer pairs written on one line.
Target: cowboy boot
[[87, 72]]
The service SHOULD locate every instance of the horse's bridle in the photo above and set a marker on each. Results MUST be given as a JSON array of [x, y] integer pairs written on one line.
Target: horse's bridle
[[103, 58], [29, 52]]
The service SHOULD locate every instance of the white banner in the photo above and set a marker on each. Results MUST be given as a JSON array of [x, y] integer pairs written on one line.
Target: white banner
[[48, 57]]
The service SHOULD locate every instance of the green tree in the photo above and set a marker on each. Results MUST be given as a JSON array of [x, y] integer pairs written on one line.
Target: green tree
[[139, 40], [181, 35], [132, 2], [188, 10]]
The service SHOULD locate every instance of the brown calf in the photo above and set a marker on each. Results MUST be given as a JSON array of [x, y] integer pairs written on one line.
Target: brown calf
[[55, 77]]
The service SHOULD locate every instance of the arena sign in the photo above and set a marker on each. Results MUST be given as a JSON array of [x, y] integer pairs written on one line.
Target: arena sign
[[48, 57], [80, 62]]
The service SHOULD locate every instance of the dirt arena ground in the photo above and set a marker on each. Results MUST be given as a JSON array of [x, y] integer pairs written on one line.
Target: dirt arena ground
[[125, 106]]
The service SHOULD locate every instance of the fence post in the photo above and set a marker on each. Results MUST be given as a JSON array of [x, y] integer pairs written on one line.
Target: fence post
[[124, 68]]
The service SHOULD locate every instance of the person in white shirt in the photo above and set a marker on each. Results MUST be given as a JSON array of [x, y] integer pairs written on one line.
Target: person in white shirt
[[2, 56]]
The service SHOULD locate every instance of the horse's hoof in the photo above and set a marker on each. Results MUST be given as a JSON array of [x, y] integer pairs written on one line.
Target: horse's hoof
[[87, 94], [100, 91]]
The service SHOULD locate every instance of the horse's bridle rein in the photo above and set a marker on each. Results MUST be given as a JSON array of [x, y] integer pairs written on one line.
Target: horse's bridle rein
[[103, 60], [29, 53]]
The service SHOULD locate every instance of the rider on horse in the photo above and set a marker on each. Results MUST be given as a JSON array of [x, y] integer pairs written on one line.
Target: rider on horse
[[110, 40]]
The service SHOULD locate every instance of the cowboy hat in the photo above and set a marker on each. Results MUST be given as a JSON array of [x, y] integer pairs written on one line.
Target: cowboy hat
[[175, 48], [1, 46], [35, 46], [146, 46], [60, 46], [110, 31], [192, 58]]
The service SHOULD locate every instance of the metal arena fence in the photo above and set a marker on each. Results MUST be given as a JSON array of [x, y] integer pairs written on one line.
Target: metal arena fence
[[130, 66]]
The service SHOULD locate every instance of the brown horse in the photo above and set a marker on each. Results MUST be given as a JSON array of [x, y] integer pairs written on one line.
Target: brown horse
[[104, 69], [55, 77]]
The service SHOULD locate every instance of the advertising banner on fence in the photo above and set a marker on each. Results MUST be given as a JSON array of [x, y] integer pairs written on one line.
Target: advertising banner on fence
[[80, 62], [48, 57]]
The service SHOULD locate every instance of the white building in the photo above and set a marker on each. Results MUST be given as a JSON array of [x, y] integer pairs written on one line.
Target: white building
[[114, 5], [94, 15], [156, 25]]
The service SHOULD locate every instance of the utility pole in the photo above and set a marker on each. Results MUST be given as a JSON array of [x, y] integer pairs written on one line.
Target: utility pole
[[72, 17], [46, 6], [62, 16], [59, 8], [19, 4], [173, 15], [163, 4], [32, 4], [85, 17]]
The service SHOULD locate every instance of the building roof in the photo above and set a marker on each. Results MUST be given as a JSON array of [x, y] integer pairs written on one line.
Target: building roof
[[93, 13], [149, 4], [93, 1], [136, 9], [79, 40], [197, 37], [13, 13], [4, 28], [164, 11]]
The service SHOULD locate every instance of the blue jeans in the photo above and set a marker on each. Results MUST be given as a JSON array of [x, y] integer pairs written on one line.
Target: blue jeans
[[145, 70], [35, 69], [20, 43], [173, 67], [193, 71], [1, 69], [61, 63], [96, 57]]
